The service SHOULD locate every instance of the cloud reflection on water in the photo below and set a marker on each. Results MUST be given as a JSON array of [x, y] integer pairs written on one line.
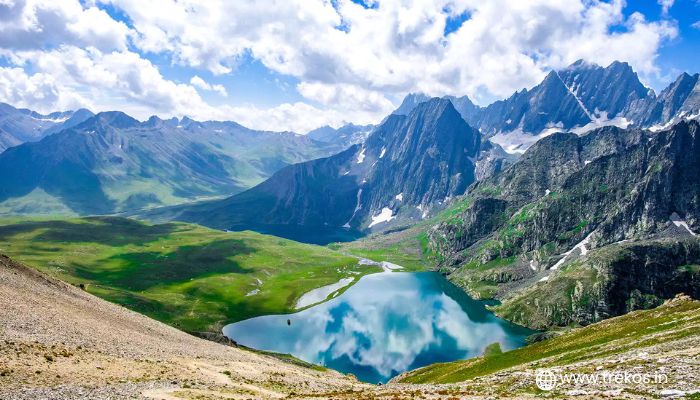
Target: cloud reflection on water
[[384, 325]]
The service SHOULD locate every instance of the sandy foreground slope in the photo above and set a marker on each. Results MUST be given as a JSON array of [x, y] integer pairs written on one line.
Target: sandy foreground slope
[[59, 342]]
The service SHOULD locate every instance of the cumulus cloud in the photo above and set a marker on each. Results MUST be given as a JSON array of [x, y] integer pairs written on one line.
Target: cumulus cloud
[[27, 24], [202, 84], [399, 45], [110, 80], [666, 5], [38, 91], [353, 63], [71, 77]]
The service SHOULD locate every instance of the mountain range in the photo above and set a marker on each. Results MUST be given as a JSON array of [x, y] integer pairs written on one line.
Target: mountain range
[[111, 162], [343, 137], [22, 125], [578, 98], [406, 164], [411, 162], [581, 228], [433, 154]]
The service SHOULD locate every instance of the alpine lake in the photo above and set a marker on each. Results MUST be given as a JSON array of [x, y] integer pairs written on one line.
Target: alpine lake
[[383, 325]]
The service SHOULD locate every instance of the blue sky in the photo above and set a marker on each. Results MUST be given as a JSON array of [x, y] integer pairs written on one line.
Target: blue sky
[[299, 64], [679, 54], [253, 83]]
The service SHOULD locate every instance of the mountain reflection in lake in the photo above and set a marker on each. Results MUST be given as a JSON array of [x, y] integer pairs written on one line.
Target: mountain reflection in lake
[[382, 326]]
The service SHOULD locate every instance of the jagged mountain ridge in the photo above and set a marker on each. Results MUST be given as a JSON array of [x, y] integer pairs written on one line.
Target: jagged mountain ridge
[[112, 162], [408, 162], [18, 126], [581, 97], [620, 195], [680, 99]]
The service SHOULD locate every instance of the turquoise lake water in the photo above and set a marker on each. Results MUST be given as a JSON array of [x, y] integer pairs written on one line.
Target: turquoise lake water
[[384, 325]]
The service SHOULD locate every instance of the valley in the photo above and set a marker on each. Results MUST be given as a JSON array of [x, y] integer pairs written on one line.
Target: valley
[[450, 250], [190, 277]]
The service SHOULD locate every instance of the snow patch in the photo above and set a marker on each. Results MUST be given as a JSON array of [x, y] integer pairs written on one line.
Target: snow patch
[[252, 292], [573, 92], [54, 120], [385, 215], [358, 207], [620, 122], [532, 265], [677, 221], [547, 192], [381, 155], [399, 197], [580, 245], [386, 265], [680, 117], [546, 278], [361, 156], [517, 141]]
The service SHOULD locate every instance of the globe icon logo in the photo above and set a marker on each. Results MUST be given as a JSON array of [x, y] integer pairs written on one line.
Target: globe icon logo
[[545, 380]]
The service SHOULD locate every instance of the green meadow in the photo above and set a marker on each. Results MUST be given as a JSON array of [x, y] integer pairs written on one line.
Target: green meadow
[[194, 278]]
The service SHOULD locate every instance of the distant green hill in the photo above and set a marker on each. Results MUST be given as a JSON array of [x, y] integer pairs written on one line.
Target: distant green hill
[[113, 163]]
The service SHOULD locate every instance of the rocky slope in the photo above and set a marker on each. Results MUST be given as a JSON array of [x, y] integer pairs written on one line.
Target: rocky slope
[[407, 164], [112, 162], [580, 229], [57, 341], [554, 235], [680, 99]]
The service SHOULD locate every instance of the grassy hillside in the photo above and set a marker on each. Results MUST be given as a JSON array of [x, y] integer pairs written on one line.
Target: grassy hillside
[[403, 248], [673, 322], [188, 276]]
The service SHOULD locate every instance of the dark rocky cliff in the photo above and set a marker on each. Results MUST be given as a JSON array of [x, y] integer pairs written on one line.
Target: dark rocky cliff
[[531, 225], [407, 161]]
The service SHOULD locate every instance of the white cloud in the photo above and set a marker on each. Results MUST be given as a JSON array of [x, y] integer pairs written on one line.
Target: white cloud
[[297, 117], [112, 80], [666, 5], [202, 84], [350, 61], [696, 25], [37, 91], [399, 46], [27, 24], [70, 77]]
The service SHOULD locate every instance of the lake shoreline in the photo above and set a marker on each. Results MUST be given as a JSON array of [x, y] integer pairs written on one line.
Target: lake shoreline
[[351, 331]]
